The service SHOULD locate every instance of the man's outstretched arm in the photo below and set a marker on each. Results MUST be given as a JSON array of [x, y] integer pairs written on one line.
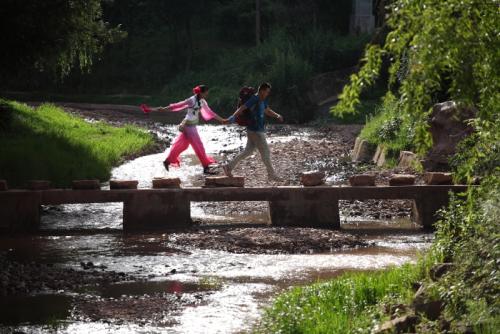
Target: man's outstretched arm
[[271, 113]]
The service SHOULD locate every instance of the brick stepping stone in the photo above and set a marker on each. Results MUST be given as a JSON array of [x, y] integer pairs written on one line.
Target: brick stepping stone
[[435, 178], [313, 178], [123, 184], [86, 185], [402, 180], [224, 181], [166, 182], [38, 185], [362, 180]]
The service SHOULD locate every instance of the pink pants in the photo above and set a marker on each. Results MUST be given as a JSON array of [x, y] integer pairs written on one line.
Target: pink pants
[[181, 143]]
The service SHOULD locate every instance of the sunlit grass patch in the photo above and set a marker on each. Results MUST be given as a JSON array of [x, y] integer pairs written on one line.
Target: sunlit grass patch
[[48, 143], [342, 305]]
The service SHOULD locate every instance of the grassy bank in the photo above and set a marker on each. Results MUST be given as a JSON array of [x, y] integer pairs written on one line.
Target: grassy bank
[[344, 305], [47, 143]]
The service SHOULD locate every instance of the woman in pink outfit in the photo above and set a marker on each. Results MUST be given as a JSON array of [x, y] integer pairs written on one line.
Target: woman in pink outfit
[[188, 135]]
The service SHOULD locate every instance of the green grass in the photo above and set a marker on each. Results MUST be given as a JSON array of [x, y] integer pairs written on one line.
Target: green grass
[[343, 305], [40, 96], [48, 143], [387, 126]]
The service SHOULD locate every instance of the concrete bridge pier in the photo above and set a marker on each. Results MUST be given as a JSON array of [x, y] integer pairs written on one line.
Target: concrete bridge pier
[[303, 210], [20, 211], [426, 207], [153, 211]]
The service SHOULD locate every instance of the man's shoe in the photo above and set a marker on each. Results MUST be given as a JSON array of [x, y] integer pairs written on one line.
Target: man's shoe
[[166, 164], [227, 171]]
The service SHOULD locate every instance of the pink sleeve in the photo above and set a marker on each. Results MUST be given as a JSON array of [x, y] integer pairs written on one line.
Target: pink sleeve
[[206, 112], [179, 105]]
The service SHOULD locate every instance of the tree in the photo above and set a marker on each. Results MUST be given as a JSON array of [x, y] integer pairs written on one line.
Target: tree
[[257, 22], [52, 36], [436, 49]]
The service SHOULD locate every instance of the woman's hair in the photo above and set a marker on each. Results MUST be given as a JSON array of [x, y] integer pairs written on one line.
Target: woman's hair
[[200, 89], [264, 85]]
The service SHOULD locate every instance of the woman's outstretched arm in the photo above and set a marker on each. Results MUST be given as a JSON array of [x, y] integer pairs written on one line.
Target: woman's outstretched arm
[[207, 113], [178, 106]]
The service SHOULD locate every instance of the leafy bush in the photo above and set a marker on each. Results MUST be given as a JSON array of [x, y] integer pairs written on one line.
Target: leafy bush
[[5, 116], [280, 60], [389, 127], [468, 236], [440, 52]]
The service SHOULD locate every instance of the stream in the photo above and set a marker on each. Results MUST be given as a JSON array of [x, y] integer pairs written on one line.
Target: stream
[[163, 286]]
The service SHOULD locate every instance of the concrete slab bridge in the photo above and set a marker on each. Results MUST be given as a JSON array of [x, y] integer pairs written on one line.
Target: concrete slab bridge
[[163, 209]]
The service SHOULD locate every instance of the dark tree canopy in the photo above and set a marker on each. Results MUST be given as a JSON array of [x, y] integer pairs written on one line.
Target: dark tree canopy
[[52, 36]]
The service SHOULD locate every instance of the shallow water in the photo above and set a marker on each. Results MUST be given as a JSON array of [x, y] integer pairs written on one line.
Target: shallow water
[[233, 288], [244, 283]]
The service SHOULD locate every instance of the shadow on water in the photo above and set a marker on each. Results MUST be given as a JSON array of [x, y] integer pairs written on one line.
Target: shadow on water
[[145, 288], [39, 309]]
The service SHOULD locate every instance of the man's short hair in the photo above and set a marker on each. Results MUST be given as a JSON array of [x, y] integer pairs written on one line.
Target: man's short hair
[[264, 85]]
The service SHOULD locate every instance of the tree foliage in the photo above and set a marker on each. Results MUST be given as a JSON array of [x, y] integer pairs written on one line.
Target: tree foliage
[[52, 36], [437, 50], [173, 45], [450, 50]]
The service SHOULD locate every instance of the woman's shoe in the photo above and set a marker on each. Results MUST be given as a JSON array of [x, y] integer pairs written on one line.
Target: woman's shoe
[[166, 164]]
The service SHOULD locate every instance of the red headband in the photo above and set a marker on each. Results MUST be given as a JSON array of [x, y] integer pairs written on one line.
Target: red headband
[[197, 90]]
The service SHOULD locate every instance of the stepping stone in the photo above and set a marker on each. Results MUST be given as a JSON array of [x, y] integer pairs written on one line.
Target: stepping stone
[[224, 181], [363, 151], [86, 185], [402, 180], [166, 182], [313, 178], [380, 156], [362, 180], [123, 184], [3, 185], [407, 159], [38, 185], [435, 178]]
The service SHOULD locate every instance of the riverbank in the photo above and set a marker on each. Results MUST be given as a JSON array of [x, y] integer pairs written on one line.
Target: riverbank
[[46, 143], [454, 287], [154, 283], [346, 304]]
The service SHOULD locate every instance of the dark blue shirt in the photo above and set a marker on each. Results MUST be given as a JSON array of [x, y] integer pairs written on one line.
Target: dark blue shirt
[[257, 108]]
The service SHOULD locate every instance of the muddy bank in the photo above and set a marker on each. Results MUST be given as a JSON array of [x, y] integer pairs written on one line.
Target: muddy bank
[[19, 278], [269, 240], [26, 276], [172, 283], [158, 308]]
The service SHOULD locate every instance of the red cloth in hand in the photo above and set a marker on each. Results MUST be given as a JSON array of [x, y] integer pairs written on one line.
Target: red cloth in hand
[[145, 109]]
